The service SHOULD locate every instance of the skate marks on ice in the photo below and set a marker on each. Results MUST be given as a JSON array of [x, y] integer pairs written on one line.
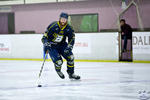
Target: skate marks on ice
[[103, 81]]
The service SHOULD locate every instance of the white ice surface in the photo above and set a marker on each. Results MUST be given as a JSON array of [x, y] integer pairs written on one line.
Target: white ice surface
[[99, 81]]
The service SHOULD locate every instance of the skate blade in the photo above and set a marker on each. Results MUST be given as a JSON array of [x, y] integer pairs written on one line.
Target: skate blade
[[72, 79]]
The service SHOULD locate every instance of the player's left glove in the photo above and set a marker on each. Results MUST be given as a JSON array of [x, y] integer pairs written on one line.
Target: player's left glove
[[68, 49]]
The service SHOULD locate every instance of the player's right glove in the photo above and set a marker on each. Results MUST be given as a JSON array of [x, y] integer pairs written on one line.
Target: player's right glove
[[47, 44]]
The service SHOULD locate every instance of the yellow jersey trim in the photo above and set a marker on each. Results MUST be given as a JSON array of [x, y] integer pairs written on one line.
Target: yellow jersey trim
[[60, 26], [52, 26]]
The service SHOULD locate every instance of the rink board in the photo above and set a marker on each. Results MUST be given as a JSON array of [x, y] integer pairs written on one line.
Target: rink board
[[93, 46], [88, 46]]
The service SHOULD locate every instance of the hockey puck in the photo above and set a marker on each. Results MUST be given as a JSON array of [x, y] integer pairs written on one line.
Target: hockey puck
[[39, 85]]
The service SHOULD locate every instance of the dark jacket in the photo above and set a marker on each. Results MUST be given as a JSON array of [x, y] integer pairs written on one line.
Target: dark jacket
[[127, 30]]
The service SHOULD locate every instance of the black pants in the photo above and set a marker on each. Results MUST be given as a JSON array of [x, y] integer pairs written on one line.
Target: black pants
[[125, 43]]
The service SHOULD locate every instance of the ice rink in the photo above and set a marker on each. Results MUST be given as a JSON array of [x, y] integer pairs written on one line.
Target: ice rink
[[99, 81]]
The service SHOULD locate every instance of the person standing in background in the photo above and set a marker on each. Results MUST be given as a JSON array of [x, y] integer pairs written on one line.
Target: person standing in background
[[126, 33]]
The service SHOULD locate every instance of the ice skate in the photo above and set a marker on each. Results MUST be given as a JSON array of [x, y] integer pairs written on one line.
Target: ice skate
[[73, 76], [61, 75]]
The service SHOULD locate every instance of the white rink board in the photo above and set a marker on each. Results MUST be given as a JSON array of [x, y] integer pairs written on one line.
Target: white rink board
[[96, 46], [24, 46], [141, 45], [82, 44], [89, 46], [103, 46], [5, 45]]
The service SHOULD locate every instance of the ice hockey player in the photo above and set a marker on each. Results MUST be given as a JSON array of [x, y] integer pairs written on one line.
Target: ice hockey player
[[59, 39]]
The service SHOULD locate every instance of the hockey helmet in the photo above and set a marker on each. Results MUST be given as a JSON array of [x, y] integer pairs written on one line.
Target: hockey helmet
[[64, 15]]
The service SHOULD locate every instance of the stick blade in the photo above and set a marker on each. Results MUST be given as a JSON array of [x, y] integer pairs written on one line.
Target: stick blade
[[39, 85]]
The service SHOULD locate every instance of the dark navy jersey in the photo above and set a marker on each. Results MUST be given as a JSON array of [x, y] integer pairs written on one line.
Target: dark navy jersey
[[58, 35]]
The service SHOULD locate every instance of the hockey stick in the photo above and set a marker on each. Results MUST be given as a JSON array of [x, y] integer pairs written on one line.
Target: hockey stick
[[42, 68]]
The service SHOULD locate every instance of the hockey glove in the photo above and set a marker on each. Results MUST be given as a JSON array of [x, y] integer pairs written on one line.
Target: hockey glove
[[68, 49], [47, 44]]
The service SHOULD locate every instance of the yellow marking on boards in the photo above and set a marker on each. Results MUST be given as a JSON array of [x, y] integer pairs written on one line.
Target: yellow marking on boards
[[115, 61]]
